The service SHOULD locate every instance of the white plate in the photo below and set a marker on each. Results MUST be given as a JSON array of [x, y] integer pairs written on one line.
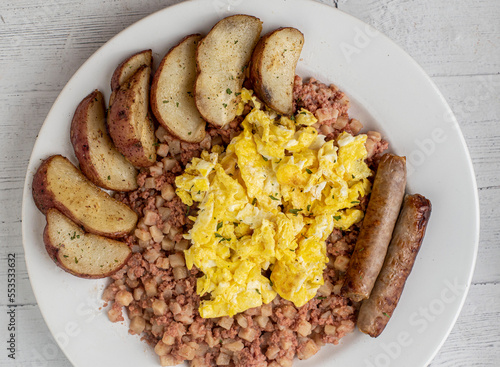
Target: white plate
[[389, 92]]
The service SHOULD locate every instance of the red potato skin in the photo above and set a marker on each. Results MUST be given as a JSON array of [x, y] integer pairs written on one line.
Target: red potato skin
[[115, 78], [378, 225], [45, 199], [53, 252], [79, 139], [409, 233], [255, 75], [79, 136], [122, 133], [255, 66]]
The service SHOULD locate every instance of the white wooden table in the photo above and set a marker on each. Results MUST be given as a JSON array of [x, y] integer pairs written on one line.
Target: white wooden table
[[457, 42]]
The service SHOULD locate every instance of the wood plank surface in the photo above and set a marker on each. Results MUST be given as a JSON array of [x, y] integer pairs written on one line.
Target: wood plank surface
[[457, 42]]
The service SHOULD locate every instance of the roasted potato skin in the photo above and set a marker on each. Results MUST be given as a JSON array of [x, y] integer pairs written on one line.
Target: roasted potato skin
[[136, 61], [262, 90], [119, 124], [46, 199], [255, 68], [80, 139], [54, 253], [127, 69]]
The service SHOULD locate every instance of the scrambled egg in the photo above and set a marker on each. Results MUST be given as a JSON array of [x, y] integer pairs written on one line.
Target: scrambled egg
[[266, 206]]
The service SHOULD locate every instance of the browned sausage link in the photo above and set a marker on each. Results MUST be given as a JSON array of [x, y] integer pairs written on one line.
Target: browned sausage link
[[376, 231], [410, 228]]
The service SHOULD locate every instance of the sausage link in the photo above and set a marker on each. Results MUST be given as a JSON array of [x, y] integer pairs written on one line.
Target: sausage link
[[410, 229], [376, 231]]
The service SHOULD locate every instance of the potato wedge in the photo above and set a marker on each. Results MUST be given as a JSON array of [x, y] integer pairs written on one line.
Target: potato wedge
[[129, 123], [272, 71], [99, 160], [221, 59], [172, 99], [82, 254], [127, 68], [58, 184]]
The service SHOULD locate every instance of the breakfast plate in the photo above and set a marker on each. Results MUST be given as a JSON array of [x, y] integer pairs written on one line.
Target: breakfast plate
[[389, 93]]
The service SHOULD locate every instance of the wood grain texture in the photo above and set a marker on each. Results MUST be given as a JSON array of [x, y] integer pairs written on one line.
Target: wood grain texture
[[457, 42]]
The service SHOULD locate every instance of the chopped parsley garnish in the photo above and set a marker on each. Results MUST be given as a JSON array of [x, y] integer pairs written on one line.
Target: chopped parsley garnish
[[165, 101], [353, 176], [76, 260], [237, 94], [109, 177], [177, 104], [222, 238], [295, 211], [273, 198], [309, 208], [321, 297], [225, 105], [355, 202], [308, 171], [257, 291], [254, 201], [188, 209], [219, 225], [385, 314], [337, 217], [271, 282], [264, 158], [229, 91]]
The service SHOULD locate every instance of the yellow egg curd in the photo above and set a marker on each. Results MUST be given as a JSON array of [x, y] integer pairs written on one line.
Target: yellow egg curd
[[267, 204]]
